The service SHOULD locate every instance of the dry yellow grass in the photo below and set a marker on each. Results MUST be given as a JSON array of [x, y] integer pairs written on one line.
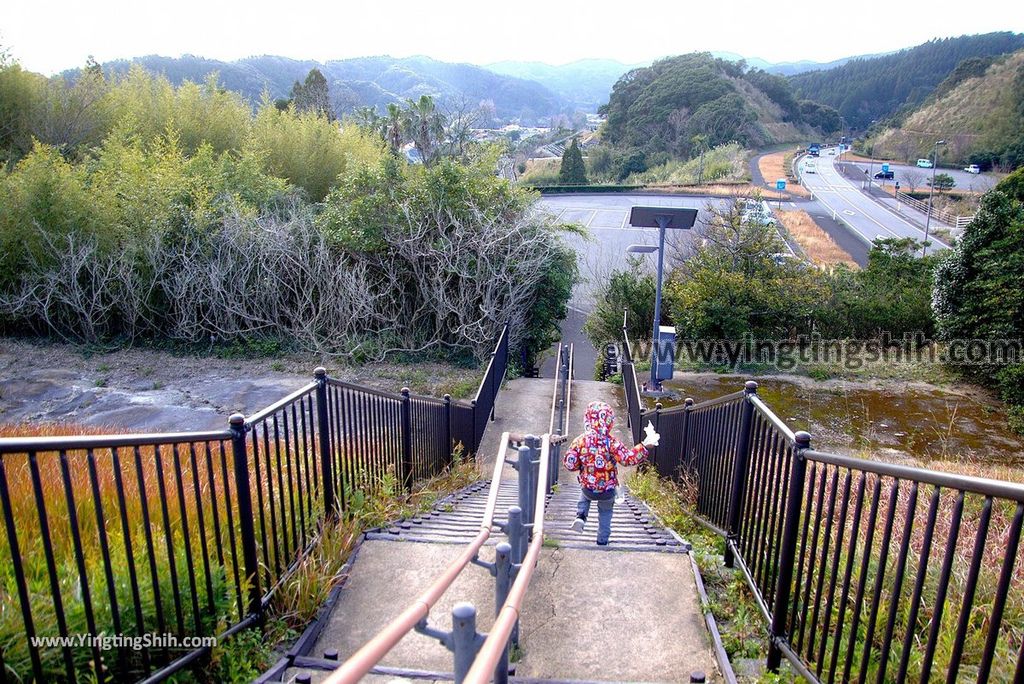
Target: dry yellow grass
[[719, 190], [819, 247], [773, 166], [543, 165]]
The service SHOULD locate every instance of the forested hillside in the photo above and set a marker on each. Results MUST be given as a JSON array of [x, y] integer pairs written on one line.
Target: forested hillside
[[869, 89], [363, 81], [680, 103], [978, 111]]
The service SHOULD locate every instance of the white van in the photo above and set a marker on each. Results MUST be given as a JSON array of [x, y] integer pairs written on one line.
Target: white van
[[754, 211], [924, 163]]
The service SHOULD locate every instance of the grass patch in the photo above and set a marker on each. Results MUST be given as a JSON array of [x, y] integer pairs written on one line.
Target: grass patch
[[818, 245], [779, 165]]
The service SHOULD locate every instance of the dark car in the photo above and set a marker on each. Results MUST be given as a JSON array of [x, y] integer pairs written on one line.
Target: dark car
[[885, 175]]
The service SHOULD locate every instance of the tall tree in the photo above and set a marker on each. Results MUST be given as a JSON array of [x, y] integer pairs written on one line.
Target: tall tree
[[393, 129], [313, 95], [425, 126], [573, 171]]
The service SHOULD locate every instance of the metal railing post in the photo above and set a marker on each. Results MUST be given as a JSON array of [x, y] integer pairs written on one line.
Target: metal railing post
[[475, 438], [739, 472], [685, 439], [516, 538], [553, 464], [449, 447], [653, 458], [324, 438], [494, 374], [787, 552], [245, 513], [533, 463], [407, 464], [465, 639], [524, 469], [503, 581]]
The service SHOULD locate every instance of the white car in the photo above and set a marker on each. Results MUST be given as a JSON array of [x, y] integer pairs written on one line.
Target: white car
[[810, 167], [924, 163], [754, 211], [973, 168]]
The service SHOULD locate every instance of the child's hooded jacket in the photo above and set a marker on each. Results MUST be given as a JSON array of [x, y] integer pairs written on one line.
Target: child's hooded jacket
[[596, 452]]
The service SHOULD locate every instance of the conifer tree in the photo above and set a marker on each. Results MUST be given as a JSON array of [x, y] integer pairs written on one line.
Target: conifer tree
[[573, 170]]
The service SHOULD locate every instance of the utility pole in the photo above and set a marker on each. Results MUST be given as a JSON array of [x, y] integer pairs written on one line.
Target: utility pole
[[931, 191]]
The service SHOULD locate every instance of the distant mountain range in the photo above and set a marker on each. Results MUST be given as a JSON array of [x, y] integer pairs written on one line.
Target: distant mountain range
[[524, 91], [587, 83], [532, 92], [788, 68], [584, 84], [365, 81]]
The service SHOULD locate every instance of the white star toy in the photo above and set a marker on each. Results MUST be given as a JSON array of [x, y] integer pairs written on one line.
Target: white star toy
[[651, 437]]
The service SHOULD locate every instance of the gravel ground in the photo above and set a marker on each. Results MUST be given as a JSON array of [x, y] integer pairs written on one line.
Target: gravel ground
[[145, 389]]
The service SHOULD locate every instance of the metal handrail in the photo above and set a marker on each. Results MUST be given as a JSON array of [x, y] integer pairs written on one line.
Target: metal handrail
[[490, 364], [497, 640], [554, 391], [965, 483], [367, 657], [772, 418], [714, 402], [279, 404], [568, 391], [22, 445], [359, 388]]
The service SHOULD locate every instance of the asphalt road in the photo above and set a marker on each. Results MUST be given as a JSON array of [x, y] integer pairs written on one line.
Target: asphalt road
[[606, 218], [865, 217]]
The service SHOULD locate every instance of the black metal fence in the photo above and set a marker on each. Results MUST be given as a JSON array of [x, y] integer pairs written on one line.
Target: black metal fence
[[634, 403], [865, 570], [122, 537]]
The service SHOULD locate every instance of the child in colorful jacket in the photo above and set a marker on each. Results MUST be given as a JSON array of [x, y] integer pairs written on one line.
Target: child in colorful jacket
[[595, 455]]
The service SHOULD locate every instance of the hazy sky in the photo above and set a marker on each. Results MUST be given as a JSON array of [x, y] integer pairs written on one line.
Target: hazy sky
[[52, 36]]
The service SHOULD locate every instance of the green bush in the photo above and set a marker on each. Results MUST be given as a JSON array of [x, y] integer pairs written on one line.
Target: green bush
[[310, 151]]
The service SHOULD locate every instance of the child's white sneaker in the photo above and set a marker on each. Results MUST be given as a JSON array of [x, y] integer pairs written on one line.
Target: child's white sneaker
[[577, 524]]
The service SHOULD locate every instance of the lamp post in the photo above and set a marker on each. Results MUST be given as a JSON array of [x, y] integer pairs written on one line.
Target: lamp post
[[931, 190], [661, 218]]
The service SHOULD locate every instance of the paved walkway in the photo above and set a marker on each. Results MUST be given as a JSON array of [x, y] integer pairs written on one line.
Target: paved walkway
[[626, 612]]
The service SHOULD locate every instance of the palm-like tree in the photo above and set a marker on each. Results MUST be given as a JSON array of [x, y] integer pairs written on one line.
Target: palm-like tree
[[393, 127], [425, 126]]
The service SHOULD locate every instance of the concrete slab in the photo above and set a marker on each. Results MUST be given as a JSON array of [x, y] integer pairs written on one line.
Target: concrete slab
[[385, 579], [614, 617], [523, 406]]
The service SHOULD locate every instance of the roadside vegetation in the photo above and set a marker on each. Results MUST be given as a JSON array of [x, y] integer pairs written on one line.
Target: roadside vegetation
[[780, 165], [817, 245], [133, 211]]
